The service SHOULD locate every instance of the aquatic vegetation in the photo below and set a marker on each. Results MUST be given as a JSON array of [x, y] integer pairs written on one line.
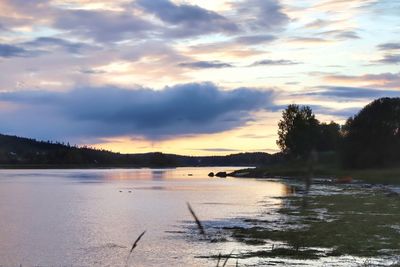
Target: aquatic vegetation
[[363, 224]]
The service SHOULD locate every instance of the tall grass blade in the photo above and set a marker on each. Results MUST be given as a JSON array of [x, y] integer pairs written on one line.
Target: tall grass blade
[[134, 246], [227, 258], [136, 241], [219, 259], [199, 225]]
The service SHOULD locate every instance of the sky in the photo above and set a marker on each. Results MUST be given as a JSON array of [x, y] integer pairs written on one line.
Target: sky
[[189, 77]]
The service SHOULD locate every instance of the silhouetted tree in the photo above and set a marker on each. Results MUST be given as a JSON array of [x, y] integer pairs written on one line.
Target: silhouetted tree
[[328, 137], [298, 131], [372, 137]]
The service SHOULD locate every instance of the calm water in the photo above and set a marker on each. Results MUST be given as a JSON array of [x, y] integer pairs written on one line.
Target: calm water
[[81, 217]]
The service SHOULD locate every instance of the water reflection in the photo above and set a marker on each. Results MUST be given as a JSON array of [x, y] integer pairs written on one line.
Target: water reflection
[[158, 174], [89, 218]]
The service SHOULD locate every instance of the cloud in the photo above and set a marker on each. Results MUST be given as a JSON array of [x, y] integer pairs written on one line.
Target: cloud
[[40, 46], [390, 59], [227, 49], [317, 109], [255, 39], [205, 65], [318, 23], [103, 26], [281, 62], [187, 20], [105, 112], [321, 109], [352, 92], [8, 51], [17, 13], [386, 80], [342, 112], [389, 46], [340, 34], [308, 40], [91, 71], [257, 136], [261, 15], [385, 8], [51, 43]]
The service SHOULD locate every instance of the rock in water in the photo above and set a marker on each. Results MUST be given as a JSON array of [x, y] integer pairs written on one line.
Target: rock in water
[[221, 174]]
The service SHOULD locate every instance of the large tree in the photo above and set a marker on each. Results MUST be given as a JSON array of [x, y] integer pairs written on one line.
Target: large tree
[[298, 131], [329, 137], [372, 137]]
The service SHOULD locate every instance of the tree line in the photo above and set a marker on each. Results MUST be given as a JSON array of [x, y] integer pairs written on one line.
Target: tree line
[[20, 152], [370, 138]]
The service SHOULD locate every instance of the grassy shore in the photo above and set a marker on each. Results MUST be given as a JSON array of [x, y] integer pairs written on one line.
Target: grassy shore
[[328, 166], [373, 176], [360, 222]]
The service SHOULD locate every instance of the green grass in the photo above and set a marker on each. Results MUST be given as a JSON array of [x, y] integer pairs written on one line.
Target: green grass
[[359, 224]]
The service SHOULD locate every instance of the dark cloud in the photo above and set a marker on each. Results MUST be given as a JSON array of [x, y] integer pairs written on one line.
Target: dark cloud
[[103, 112], [255, 39], [205, 65], [7, 50], [51, 43], [187, 20], [103, 26], [390, 59], [261, 14], [281, 62], [389, 46], [42, 45], [352, 92]]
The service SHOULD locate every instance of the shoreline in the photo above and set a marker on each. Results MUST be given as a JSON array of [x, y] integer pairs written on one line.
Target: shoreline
[[372, 176], [99, 167]]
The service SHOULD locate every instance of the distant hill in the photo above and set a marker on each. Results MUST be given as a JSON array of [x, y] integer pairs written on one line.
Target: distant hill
[[19, 152]]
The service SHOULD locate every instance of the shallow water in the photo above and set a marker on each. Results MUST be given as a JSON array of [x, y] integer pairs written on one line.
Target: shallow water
[[92, 217]]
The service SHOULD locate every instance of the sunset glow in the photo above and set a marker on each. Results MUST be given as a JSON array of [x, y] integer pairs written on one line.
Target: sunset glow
[[189, 77]]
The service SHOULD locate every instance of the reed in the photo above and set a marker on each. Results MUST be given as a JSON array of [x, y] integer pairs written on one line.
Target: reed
[[227, 258], [134, 246], [196, 219], [219, 259]]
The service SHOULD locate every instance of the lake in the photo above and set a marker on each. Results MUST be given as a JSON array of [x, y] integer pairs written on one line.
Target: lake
[[92, 217]]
